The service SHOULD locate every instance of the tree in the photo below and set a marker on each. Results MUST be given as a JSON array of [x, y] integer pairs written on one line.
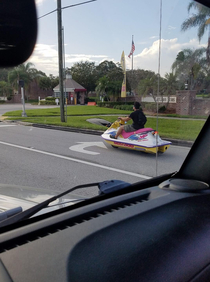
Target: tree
[[25, 72], [114, 88], [54, 80], [171, 84], [133, 77], [148, 86], [5, 89], [102, 85], [188, 64], [105, 68], [83, 73], [200, 20], [197, 20], [45, 83], [110, 77], [4, 74], [48, 82]]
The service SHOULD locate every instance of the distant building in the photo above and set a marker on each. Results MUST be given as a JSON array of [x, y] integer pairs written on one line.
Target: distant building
[[75, 93]]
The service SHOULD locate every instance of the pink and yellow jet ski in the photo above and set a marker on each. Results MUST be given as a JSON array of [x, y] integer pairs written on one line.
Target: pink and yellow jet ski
[[145, 139]]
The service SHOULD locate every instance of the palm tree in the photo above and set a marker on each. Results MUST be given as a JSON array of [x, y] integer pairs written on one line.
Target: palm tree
[[188, 64], [102, 85], [5, 89], [200, 20], [25, 72], [152, 85], [171, 84], [197, 20]]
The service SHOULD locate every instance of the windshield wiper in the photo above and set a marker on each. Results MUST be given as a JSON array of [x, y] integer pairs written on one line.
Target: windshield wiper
[[33, 210], [105, 187], [109, 186]]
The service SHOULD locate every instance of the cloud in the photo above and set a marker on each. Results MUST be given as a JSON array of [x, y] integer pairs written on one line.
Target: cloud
[[45, 57], [153, 37], [171, 27], [148, 59]]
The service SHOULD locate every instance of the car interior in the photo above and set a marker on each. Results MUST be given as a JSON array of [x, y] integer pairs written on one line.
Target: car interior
[[153, 230]]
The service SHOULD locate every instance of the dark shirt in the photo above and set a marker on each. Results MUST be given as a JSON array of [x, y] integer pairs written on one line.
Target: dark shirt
[[138, 118]]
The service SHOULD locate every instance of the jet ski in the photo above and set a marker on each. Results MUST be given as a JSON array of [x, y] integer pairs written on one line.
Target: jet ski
[[145, 139]]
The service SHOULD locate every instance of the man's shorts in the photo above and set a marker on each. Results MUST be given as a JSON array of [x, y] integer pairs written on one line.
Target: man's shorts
[[129, 128]]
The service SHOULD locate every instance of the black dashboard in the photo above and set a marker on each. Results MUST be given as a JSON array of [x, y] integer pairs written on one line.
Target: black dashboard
[[150, 235]]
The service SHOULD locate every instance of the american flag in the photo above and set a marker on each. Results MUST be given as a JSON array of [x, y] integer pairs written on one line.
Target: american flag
[[132, 50]]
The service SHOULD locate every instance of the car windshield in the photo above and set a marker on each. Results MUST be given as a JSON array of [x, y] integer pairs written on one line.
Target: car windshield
[[93, 62]]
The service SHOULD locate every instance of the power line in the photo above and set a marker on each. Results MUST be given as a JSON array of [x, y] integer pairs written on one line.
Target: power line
[[70, 6]]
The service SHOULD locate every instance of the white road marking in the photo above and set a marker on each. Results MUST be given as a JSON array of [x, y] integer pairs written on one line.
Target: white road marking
[[76, 160], [82, 145], [6, 125]]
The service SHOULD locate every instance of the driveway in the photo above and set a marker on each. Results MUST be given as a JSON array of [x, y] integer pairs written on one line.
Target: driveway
[[15, 107]]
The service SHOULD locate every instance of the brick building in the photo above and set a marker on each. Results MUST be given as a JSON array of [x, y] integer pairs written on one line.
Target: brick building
[[32, 93]]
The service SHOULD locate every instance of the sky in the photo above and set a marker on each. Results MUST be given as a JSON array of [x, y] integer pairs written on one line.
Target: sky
[[103, 29]]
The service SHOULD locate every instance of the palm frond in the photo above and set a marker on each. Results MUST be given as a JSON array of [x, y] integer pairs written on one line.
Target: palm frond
[[192, 5]]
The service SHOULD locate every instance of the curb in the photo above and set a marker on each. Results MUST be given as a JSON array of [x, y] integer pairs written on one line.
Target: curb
[[174, 142]]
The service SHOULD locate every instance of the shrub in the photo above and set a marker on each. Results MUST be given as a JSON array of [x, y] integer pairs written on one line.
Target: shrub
[[47, 102], [51, 99], [91, 99], [150, 107], [162, 109], [114, 104]]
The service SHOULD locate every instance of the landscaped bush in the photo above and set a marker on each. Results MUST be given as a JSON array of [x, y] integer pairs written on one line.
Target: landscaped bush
[[51, 99], [47, 102], [150, 107], [2, 101], [123, 107], [162, 109], [91, 99], [107, 104], [32, 101]]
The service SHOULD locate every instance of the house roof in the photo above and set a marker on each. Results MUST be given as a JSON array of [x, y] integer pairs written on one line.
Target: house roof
[[70, 85]]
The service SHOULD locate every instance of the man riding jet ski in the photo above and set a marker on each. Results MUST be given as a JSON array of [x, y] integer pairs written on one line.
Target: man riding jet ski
[[135, 136], [138, 118]]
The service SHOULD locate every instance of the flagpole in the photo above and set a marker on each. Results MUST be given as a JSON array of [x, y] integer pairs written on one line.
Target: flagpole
[[132, 65], [132, 55]]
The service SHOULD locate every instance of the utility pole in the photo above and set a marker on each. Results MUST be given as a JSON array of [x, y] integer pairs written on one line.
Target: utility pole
[[60, 59]]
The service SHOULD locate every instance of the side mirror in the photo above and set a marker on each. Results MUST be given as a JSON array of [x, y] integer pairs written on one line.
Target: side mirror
[[18, 31]]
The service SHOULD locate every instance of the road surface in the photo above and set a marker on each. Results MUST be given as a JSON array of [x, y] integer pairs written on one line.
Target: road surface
[[58, 160]]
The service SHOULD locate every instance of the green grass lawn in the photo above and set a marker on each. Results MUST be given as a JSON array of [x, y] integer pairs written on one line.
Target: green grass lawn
[[78, 115], [71, 110]]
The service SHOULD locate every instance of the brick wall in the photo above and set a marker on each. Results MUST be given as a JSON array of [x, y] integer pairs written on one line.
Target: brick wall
[[129, 99], [16, 98], [34, 92], [201, 107], [188, 104]]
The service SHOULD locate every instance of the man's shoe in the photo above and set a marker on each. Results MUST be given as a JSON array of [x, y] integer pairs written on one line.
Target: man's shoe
[[112, 136]]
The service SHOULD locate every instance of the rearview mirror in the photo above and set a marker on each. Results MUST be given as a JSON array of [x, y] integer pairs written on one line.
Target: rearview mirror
[[18, 31]]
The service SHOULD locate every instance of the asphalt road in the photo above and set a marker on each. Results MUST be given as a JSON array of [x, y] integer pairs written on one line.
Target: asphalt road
[[59, 160]]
